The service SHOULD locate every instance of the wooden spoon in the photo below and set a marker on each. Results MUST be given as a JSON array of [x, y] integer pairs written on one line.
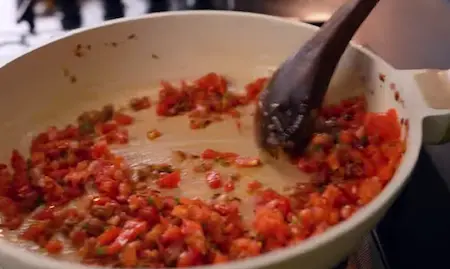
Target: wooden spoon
[[286, 113]]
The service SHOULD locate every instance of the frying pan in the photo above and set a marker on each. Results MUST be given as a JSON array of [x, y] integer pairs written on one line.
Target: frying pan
[[52, 84]]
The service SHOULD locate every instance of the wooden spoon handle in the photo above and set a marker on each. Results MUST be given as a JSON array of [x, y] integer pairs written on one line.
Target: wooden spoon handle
[[286, 113], [328, 45]]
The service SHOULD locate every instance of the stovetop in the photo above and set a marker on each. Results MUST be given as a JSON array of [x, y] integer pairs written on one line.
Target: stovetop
[[414, 234]]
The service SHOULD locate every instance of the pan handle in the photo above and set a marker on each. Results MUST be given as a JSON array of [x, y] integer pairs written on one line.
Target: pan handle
[[431, 101]]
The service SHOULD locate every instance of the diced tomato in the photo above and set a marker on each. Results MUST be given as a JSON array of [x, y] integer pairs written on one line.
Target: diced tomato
[[369, 189], [322, 139], [320, 228], [107, 127], [245, 247], [386, 173], [188, 258], [228, 186], [54, 246], [171, 234], [129, 256], [218, 257], [131, 230], [135, 202], [101, 200], [18, 162], [247, 162], [58, 174], [99, 150], [78, 237], [107, 186], [333, 161], [109, 236], [194, 236], [393, 151], [346, 137], [8, 207], [346, 211], [123, 119], [284, 205], [212, 82], [254, 88], [332, 111], [169, 181], [384, 125], [140, 103], [369, 168], [375, 154], [253, 185], [214, 179], [46, 213], [35, 230], [210, 154], [307, 166], [119, 136], [230, 156], [149, 214]]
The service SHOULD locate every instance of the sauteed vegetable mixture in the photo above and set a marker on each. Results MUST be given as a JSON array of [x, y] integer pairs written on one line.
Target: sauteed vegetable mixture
[[126, 223]]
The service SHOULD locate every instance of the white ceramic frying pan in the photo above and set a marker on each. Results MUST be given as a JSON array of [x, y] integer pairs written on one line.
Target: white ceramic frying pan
[[51, 85]]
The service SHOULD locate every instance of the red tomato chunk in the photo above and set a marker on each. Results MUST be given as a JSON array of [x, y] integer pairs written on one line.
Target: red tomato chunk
[[214, 179], [205, 99]]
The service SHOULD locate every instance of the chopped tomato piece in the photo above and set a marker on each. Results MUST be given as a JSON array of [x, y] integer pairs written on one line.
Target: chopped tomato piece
[[307, 166], [384, 125], [109, 236], [78, 237], [346, 137], [100, 150], [228, 186], [140, 103], [212, 81], [172, 234], [333, 161], [194, 235], [247, 162], [188, 258], [169, 181], [214, 179], [149, 214], [253, 186], [131, 230], [254, 88], [245, 247], [54, 246], [219, 258], [34, 231], [123, 119], [105, 128], [369, 189], [46, 213], [129, 256], [210, 154]]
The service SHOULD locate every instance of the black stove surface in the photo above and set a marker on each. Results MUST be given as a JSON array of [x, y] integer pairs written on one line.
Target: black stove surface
[[415, 233]]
